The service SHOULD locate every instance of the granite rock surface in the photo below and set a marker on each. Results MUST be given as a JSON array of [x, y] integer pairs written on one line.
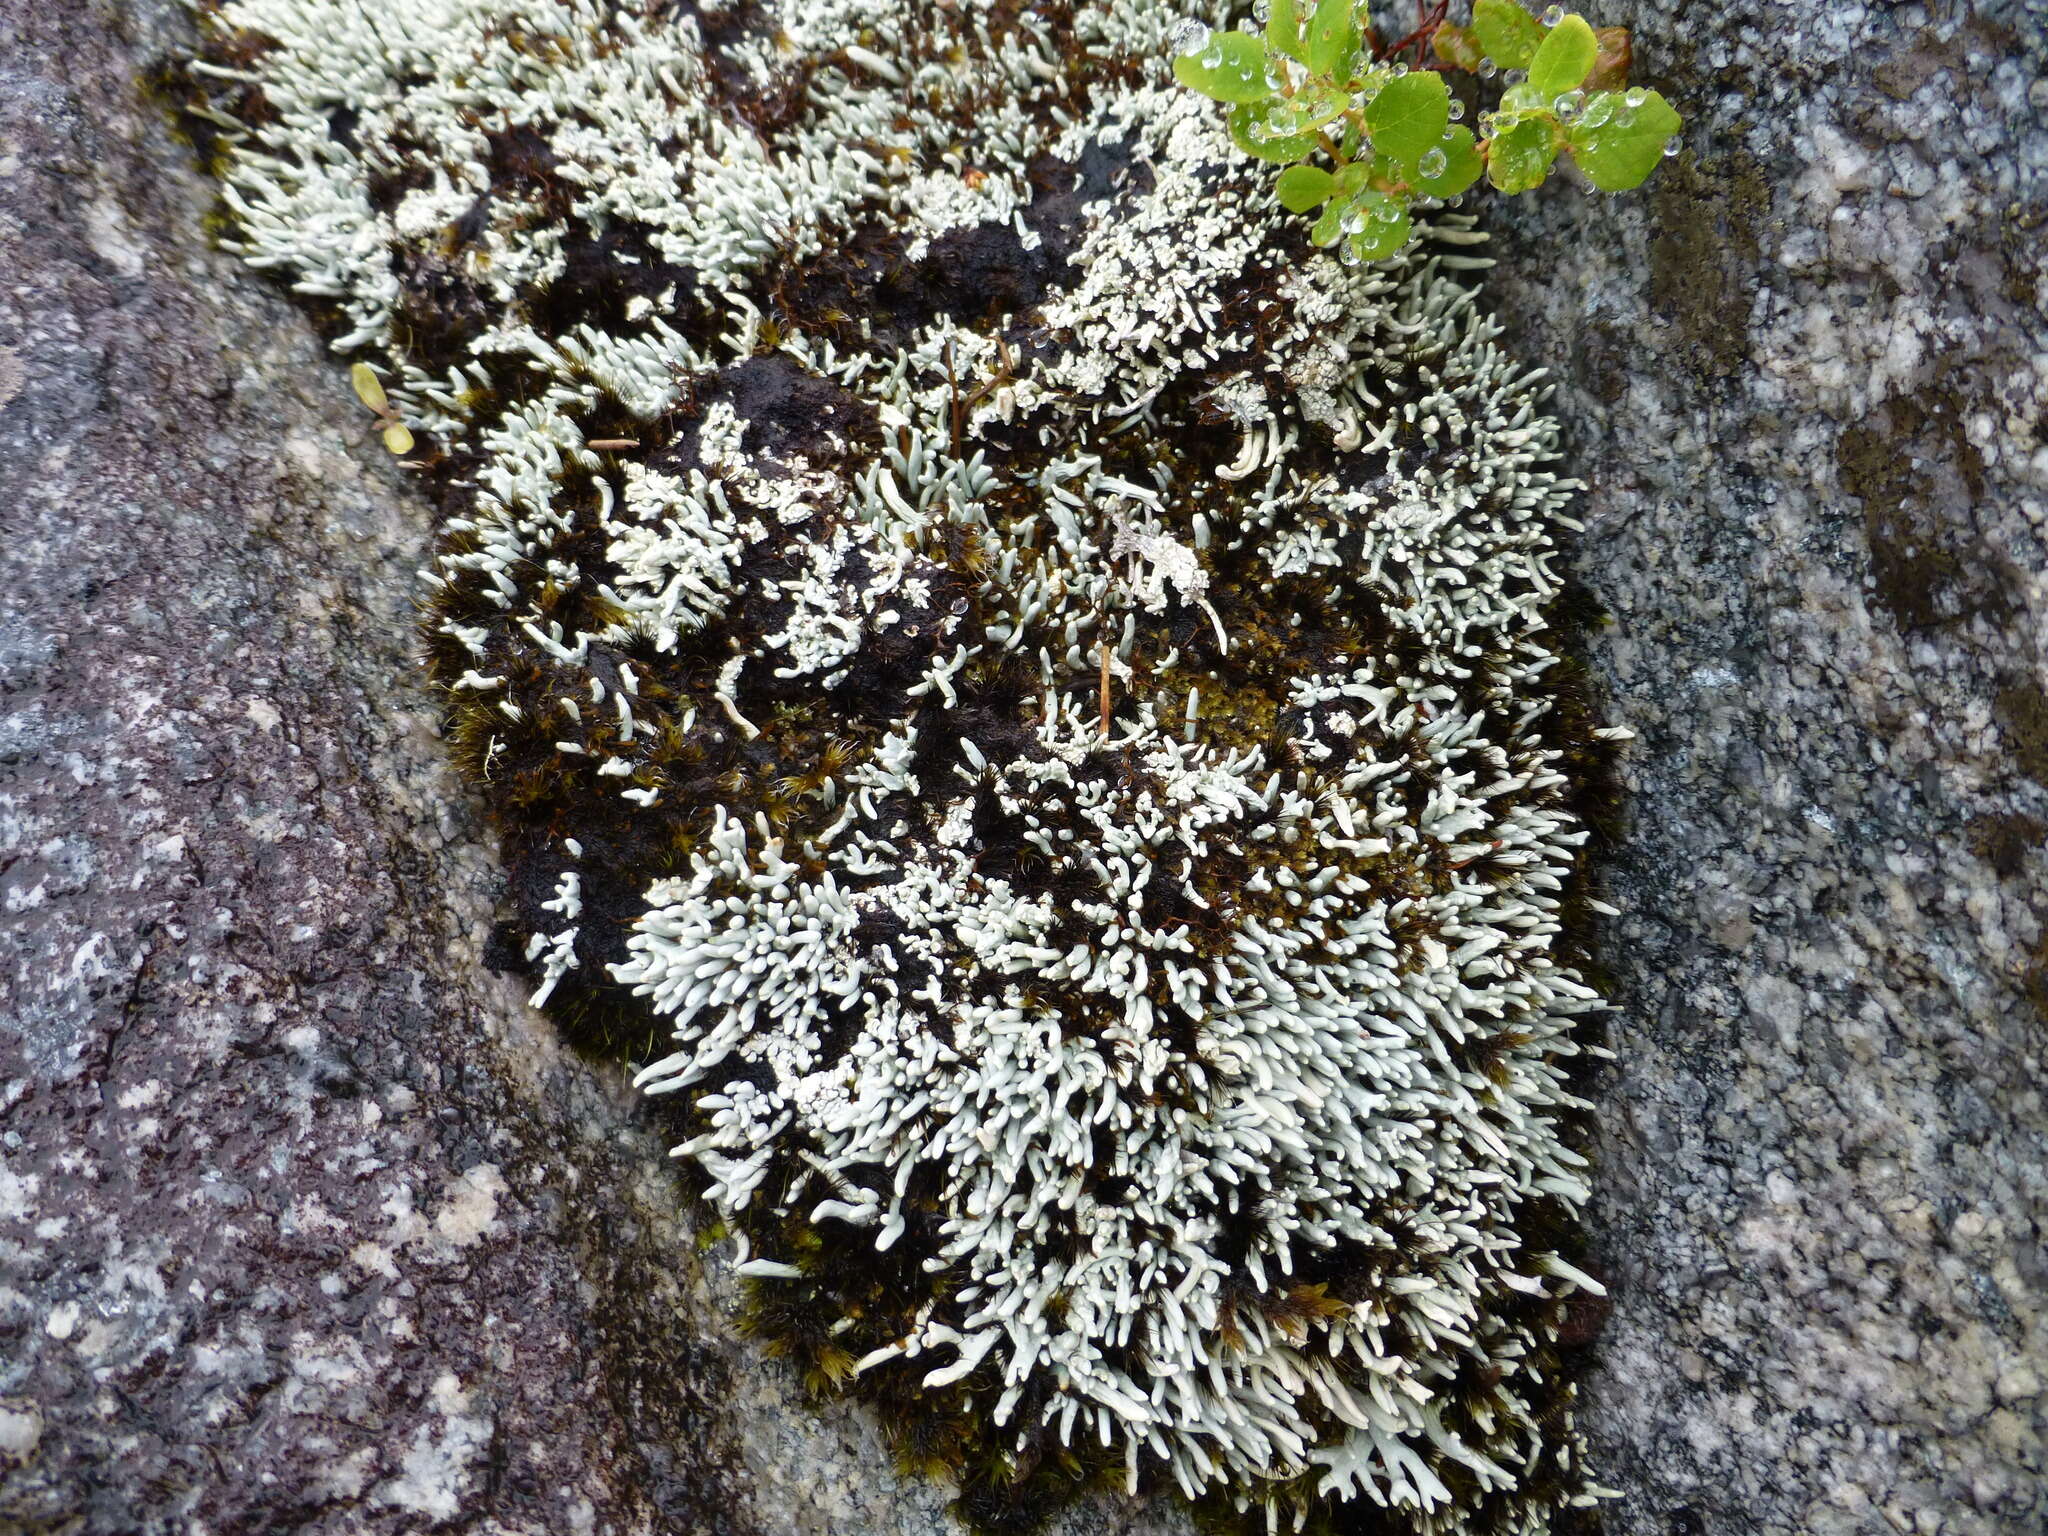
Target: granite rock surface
[[1806, 377], [307, 1224]]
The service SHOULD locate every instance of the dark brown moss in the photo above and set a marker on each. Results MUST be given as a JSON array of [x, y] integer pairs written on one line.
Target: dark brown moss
[[2021, 710], [1708, 217], [1918, 477]]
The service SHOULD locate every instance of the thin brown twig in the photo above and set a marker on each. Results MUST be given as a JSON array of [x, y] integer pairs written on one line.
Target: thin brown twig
[[1105, 690]]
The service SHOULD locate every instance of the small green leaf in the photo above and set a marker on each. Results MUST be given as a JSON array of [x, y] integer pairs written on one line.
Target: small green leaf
[[1302, 187], [368, 389], [1231, 66], [1409, 115], [1330, 227], [1314, 105], [1384, 230], [1610, 70], [1332, 39], [1461, 165], [1622, 146], [1266, 130], [1458, 47], [1520, 158], [1283, 28], [1565, 58], [1509, 34], [1352, 178]]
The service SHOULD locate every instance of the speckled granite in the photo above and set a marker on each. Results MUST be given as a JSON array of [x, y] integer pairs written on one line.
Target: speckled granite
[[306, 1225], [1806, 378]]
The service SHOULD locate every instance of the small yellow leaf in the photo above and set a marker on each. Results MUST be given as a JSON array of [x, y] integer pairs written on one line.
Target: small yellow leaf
[[368, 389], [398, 437]]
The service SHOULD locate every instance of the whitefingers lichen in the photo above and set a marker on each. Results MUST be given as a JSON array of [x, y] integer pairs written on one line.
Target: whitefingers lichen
[[1037, 683]]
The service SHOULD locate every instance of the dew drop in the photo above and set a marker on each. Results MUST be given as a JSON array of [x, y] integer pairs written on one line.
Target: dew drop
[[1187, 36], [1457, 110], [1433, 164], [1670, 146], [1553, 15], [1636, 97], [1400, 70], [1488, 69], [1569, 106]]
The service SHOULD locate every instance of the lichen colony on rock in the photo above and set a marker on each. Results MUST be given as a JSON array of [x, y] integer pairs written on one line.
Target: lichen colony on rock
[[1036, 679]]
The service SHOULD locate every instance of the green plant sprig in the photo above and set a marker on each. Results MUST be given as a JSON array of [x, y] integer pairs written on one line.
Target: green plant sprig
[[1363, 136]]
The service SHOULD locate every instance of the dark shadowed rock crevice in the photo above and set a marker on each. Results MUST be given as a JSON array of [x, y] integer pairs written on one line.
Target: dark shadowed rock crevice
[[307, 1223]]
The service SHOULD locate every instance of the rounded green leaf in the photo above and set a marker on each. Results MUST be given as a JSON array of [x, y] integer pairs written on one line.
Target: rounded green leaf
[[1351, 179], [1408, 116], [369, 389], [1619, 151], [1231, 66], [1302, 187], [1383, 230], [1565, 58], [1266, 130], [1330, 227], [1520, 158], [1332, 39], [1308, 108], [1452, 166], [1509, 34], [1283, 28]]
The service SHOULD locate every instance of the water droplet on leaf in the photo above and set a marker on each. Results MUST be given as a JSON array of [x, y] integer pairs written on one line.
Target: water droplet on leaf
[[1187, 36]]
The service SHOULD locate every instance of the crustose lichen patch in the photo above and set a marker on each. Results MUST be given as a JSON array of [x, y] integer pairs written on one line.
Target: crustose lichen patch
[[1013, 686]]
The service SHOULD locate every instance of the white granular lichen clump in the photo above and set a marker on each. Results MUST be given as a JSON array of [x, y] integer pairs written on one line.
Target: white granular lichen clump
[[1035, 680]]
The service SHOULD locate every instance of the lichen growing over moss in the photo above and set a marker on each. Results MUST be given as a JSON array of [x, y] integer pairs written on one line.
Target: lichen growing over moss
[[1032, 681]]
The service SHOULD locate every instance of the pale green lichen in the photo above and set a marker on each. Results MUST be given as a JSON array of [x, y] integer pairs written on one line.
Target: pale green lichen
[[1034, 678]]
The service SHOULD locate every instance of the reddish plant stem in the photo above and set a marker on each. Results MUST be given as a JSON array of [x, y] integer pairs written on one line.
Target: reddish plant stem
[[1431, 17]]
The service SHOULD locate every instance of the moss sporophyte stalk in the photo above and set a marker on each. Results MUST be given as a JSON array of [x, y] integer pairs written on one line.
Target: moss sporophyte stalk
[[1017, 684]]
